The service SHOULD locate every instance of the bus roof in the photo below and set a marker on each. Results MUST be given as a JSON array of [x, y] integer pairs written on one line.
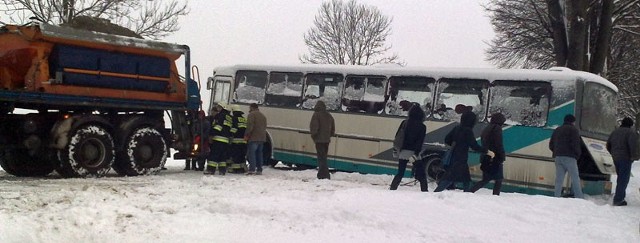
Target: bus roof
[[491, 74]]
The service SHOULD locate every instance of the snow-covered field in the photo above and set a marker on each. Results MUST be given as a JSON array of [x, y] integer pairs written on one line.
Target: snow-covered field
[[293, 206]]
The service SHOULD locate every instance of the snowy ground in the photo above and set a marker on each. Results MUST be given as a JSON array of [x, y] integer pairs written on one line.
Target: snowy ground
[[292, 206]]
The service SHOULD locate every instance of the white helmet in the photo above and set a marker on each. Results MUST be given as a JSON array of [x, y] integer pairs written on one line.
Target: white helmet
[[224, 106], [235, 107]]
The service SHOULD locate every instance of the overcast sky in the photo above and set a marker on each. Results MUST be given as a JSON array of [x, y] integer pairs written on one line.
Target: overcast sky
[[441, 33], [437, 33]]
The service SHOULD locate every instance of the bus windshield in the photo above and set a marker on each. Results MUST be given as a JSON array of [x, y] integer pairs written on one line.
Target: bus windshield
[[598, 115]]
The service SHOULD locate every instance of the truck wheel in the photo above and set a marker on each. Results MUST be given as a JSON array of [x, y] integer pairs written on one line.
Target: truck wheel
[[145, 152], [90, 152], [18, 162]]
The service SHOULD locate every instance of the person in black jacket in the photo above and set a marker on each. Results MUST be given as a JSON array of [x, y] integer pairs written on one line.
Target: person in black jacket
[[412, 144], [462, 136], [623, 147], [492, 168], [565, 146]]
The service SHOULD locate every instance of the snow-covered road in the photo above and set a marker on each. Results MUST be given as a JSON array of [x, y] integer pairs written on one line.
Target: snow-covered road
[[292, 206]]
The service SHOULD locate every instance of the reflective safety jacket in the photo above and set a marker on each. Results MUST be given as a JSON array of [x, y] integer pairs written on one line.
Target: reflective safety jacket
[[221, 127], [238, 128]]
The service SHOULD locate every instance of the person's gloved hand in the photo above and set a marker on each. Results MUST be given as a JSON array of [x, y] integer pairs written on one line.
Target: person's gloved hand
[[491, 154], [413, 158]]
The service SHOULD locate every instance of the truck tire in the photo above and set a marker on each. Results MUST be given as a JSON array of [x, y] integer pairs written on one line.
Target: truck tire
[[145, 152], [90, 152], [18, 162]]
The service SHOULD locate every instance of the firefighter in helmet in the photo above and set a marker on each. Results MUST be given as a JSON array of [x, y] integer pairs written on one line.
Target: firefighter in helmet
[[238, 144], [219, 134]]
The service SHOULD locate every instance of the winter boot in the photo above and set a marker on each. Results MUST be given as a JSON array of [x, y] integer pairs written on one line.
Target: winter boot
[[194, 163], [496, 187], [211, 168], [223, 168], [201, 164], [395, 182], [424, 187]]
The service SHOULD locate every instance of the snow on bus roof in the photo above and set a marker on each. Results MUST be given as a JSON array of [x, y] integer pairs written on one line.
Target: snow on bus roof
[[491, 74]]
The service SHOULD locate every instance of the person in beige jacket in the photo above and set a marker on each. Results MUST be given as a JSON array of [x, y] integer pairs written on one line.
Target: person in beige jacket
[[256, 136], [322, 128]]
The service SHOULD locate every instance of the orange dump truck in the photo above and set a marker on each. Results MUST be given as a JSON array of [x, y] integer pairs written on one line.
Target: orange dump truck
[[88, 102]]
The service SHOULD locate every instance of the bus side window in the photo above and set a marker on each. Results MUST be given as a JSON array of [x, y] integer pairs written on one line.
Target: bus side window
[[250, 86], [522, 103], [405, 90], [364, 94], [322, 86], [468, 92], [284, 89]]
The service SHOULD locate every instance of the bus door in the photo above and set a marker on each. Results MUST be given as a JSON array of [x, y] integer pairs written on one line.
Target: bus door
[[220, 89]]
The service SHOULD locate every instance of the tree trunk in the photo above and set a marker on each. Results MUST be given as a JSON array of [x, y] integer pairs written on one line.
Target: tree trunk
[[577, 18], [603, 41], [556, 17]]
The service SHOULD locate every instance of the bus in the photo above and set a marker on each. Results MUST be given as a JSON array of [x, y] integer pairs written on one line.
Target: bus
[[369, 102]]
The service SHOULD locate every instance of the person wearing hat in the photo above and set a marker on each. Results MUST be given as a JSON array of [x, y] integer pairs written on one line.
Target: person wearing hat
[[491, 138], [219, 134], [565, 145], [623, 147], [238, 144], [322, 127], [461, 139]]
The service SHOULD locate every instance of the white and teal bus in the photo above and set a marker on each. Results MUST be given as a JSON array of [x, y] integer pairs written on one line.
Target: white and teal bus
[[367, 104]]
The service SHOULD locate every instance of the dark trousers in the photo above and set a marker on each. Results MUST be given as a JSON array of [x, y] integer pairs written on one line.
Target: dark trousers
[[444, 184], [420, 173], [623, 169], [495, 174], [496, 186], [323, 168]]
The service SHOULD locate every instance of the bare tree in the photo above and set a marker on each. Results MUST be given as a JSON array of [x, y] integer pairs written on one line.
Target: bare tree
[[542, 33], [349, 33], [147, 18], [598, 36]]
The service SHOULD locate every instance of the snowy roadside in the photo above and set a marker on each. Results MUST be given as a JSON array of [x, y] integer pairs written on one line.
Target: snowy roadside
[[292, 206]]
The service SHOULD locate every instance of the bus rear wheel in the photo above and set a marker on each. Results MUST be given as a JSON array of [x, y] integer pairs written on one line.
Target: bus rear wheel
[[90, 152], [434, 168]]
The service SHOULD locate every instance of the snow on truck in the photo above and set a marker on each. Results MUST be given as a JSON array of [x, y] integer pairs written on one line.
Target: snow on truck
[[95, 102]]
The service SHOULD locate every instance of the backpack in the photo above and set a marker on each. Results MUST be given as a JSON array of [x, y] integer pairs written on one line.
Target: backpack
[[399, 139]]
